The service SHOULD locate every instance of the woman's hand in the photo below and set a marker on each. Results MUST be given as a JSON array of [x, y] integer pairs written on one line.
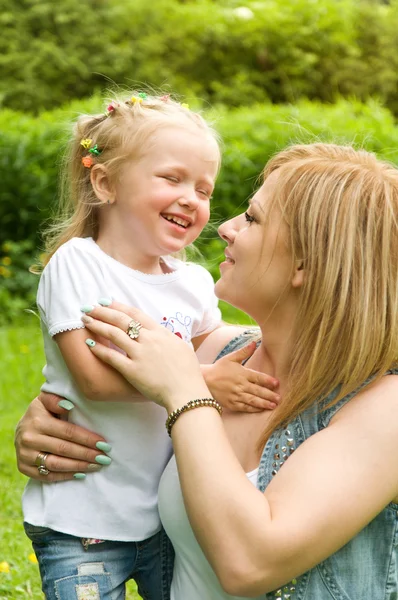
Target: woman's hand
[[159, 364], [71, 449]]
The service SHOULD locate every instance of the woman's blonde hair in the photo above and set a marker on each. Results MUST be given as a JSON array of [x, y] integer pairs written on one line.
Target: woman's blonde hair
[[341, 206], [120, 134]]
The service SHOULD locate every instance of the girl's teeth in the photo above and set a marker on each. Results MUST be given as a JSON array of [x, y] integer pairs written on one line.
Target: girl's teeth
[[177, 220]]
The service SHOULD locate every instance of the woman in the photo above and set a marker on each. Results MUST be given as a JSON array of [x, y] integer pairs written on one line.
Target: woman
[[313, 261]]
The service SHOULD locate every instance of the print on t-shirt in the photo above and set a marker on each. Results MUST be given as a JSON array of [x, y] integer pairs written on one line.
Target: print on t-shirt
[[179, 325]]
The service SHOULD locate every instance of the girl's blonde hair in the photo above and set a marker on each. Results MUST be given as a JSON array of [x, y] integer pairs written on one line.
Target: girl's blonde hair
[[341, 206], [120, 134]]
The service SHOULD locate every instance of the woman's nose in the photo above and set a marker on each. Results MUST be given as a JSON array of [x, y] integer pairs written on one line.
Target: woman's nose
[[227, 230]]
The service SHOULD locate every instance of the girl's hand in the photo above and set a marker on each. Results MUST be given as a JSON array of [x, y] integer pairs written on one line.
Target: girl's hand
[[71, 449], [159, 364], [238, 388]]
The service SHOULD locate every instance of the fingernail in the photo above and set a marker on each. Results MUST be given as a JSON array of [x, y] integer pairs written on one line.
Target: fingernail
[[105, 301], [90, 343], [93, 468], [87, 319], [66, 404], [79, 476], [103, 460], [104, 446], [87, 308]]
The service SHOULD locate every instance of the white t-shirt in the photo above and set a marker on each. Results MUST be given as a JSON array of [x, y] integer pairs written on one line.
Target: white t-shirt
[[120, 501], [193, 577]]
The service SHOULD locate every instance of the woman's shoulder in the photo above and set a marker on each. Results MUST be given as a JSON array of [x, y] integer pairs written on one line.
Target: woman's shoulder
[[376, 403]]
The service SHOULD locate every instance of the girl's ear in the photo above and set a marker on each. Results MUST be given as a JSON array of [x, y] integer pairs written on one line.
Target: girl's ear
[[101, 183], [298, 275]]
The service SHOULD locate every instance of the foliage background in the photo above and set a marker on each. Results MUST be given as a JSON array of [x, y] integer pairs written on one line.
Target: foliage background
[[33, 144], [219, 50], [268, 72]]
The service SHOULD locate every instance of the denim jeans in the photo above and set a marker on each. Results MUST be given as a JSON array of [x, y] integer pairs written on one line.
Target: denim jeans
[[71, 572]]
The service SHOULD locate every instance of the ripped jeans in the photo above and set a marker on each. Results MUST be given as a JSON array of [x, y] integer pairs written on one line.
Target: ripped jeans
[[99, 572]]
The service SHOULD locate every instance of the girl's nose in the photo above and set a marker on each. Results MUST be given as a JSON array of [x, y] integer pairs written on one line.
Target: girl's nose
[[189, 199]]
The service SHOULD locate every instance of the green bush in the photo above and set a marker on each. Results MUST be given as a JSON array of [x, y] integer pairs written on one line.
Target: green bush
[[220, 51], [32, 146], [17, 285], [252, 135], [30, 152]]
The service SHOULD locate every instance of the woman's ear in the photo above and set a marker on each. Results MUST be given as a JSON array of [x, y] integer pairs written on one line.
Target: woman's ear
[[298, 275], [101, 183]]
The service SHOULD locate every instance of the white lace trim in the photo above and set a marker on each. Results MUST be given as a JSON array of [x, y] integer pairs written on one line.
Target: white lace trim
[[54, 330]]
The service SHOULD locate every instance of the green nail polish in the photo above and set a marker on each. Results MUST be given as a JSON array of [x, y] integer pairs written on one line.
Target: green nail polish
[[86, 319], [104, 446], [90, 343], [105, 301], [87, 308], [66, 404], [103, 460], [94, 468], [79, 476]]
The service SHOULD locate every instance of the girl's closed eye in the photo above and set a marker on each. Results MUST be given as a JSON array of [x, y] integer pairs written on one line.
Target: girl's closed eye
[[206, 193], [249, 218], [171, 178]]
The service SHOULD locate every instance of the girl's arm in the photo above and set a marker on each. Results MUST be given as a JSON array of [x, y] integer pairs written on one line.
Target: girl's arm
[[96, 380], [330, 488]]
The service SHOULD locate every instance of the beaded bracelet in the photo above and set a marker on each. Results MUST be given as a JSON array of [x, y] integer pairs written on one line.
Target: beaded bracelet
[[172, 418]]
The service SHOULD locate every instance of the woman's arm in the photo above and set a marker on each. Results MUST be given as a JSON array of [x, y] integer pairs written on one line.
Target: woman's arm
[[329, 489], [72, 449]]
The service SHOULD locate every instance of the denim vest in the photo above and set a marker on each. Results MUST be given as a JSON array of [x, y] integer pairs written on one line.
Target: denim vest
[[364, 569]]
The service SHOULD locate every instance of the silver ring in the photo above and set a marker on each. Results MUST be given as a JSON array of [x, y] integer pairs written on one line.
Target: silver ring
[[40, 462], [133, 329], [43, 470]]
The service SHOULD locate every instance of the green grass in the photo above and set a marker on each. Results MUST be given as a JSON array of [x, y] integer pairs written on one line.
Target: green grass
[[21, 360]]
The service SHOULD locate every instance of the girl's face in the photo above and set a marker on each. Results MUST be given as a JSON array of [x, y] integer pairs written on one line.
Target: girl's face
[[257, 275], [162, 199]]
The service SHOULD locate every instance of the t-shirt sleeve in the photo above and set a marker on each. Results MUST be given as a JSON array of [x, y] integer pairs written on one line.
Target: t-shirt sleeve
[[71, 279], [211, 313]]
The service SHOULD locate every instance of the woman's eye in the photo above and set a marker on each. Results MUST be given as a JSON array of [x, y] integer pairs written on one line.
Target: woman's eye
[[249, 218], [171, 178]]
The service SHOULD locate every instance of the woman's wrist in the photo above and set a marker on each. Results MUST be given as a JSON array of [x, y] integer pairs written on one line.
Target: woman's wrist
[[208, 402], [179, 399]]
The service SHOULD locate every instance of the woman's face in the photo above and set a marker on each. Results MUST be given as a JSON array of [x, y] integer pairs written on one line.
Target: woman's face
[[257, 275]]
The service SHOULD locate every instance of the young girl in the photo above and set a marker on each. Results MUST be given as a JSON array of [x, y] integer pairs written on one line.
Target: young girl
[[139, 181]]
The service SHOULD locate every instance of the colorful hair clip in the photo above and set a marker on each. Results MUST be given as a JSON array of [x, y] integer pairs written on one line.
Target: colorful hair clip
[[143, 96], [110, 108], [86, 143], [95, 150], [184, 105], [165, 98], [135, 100], [87, 161]]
